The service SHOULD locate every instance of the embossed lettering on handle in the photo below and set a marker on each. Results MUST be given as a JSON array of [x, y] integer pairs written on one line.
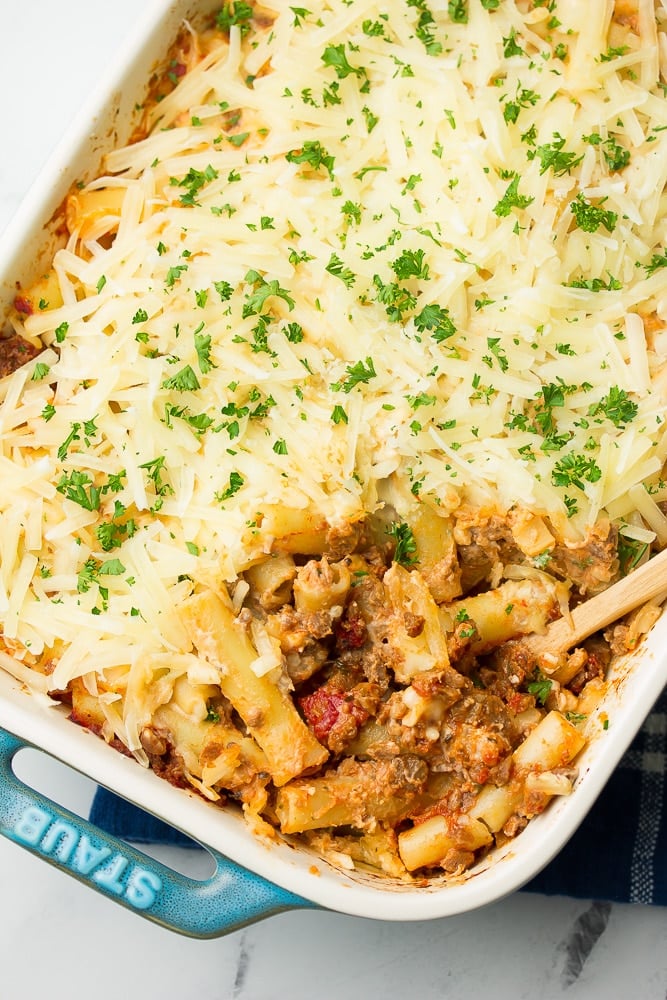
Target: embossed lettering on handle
[[231, 898], [115, 872]]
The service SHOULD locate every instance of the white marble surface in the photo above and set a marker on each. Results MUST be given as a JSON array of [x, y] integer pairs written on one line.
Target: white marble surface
[[58, 938]]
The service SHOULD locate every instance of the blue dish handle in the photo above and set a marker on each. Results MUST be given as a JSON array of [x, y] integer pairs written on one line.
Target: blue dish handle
[[231, 898]]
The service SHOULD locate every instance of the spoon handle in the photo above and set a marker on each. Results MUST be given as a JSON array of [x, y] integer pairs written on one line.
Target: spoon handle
[[639, 586]]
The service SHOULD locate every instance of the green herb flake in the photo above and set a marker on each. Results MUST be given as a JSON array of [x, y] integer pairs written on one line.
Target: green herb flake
[[590, 217], [40, 371], [203, 349], [61, 332], [512, 199], [78, 487], [575, 470], [314, 155], [360, 373], [232, 14], [236, 481], [338, 270], [338, 415], [334, 56], [510, 45], [553, 155], [458, 11], [406, 546], [539, 687], [616, 406], [183, 381]]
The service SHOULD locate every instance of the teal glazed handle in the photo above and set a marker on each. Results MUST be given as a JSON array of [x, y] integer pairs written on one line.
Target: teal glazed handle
[[230, 899]]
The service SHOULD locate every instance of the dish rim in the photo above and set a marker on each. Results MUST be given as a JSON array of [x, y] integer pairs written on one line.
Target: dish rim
[[78, 151]]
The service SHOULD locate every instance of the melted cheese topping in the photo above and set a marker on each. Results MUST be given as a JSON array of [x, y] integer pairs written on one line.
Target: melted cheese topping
[[366, 252]]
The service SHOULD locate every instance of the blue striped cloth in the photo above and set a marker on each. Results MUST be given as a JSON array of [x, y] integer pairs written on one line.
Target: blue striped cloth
[[618, 854]]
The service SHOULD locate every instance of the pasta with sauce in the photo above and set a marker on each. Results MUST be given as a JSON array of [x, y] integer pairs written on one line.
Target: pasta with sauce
[[348, 375]]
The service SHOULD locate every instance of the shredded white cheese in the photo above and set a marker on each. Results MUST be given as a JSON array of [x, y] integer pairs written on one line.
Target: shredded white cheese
[[363, 244]]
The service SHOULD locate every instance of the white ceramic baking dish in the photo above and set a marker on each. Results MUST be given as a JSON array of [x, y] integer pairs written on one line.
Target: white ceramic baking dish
[[253, 878]]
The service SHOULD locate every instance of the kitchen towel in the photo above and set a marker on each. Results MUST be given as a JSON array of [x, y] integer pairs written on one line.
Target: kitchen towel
[[618, 854]]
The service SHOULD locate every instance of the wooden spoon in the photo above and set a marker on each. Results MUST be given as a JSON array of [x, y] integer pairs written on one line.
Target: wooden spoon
[[635, 589]]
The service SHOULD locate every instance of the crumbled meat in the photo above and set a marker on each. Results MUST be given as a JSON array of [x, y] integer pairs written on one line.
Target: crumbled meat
[[514, 825], [591, 567], [152, 741], [303, 665], [350, 630], [295, 629], [484, 542], [456, 861], [598, 655], [14, 352], [443, 683], [477, 735], [341, 540]]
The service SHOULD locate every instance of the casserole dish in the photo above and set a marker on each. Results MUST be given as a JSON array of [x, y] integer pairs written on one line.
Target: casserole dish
[[280, 863]]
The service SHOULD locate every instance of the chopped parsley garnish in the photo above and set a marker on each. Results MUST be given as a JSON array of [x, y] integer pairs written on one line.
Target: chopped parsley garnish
[[421, 399], [39, 372], [361, 372], [112, 567], [183, 381], [314, 155], [78, 487], [406, 545], [293, 332], [174, 273], [424, 29], [574, 470], [657, 261], [524, 98], [111, 534], [616, 406], [255, 302], [437, 321], [396, 299], [597, 284], [61, 332], [236, 481], [87, 575], [614, 52], [493, 343], [554, 155], [352, 211], [338, 269], [539, 687], [590, 217], [224, 290], [234, 14], [203, 349], [616, 156], [410, 264], [510, 45], [193, 182], [458, 11], [630, 552], [512, 199], [338, 415], [154, 469], [334, 56]]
